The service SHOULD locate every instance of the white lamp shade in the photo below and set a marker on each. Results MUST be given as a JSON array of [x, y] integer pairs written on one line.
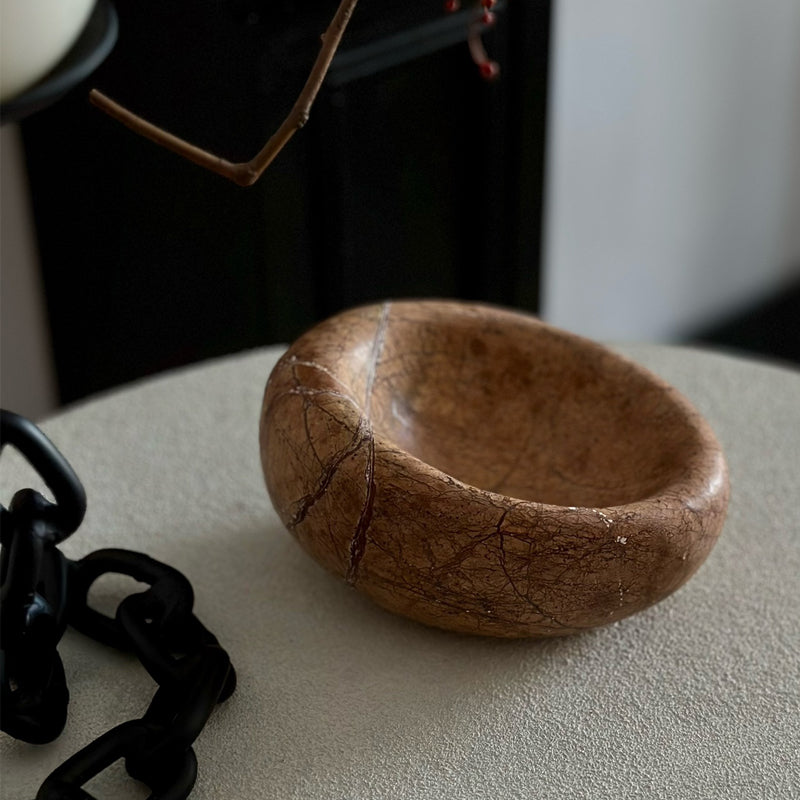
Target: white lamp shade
[[34, 36]]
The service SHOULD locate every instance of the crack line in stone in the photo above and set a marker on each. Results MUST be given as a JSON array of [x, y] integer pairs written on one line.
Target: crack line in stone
[[308, 501], [358, 543], [297, 362], [522, 595]]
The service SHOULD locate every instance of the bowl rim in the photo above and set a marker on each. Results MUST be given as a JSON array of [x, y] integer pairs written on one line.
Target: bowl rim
[[683, 491]]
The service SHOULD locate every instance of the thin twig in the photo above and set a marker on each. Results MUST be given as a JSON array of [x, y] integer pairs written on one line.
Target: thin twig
[[245, 173]]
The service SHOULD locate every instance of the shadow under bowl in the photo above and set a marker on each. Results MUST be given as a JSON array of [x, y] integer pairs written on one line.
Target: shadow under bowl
[[478, 470]]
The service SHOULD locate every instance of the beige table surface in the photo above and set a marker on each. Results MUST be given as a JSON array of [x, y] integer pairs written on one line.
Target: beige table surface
[[698, 697]]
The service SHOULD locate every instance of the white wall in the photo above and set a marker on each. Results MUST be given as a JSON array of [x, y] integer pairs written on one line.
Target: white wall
[[674, 162]]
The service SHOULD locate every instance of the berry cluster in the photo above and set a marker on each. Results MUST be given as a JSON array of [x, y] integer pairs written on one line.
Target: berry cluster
[[489, 69]]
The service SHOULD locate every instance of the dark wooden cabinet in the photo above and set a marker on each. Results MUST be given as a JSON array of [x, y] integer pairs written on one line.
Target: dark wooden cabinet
[[414, 177]]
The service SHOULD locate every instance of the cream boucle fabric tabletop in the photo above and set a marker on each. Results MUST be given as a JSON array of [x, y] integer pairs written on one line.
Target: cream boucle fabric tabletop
[[697, 697]]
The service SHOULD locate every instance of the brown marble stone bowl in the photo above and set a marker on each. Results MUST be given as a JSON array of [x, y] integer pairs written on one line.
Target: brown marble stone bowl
[[478, 470]]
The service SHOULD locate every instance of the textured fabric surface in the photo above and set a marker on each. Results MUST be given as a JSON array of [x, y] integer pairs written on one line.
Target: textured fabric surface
[[697, 697]]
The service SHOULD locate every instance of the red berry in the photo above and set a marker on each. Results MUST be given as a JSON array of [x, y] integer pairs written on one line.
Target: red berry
[[488, 18], [451, 5], [489, 70], [488, 3]]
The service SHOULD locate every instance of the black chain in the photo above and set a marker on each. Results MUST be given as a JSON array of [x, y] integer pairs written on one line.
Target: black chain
[[43, 592]]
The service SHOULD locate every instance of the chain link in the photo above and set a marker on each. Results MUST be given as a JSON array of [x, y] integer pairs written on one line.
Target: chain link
[[43, 592], [33, 597]]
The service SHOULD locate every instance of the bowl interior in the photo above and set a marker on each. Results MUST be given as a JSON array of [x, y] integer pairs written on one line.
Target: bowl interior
[[510, 405]]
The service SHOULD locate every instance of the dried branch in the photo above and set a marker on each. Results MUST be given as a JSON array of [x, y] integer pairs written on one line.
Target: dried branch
[[245, 173]]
